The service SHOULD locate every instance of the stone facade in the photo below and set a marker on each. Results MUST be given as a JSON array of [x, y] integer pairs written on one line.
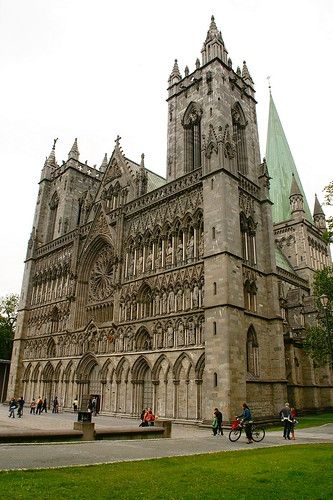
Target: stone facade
[[168, 293]]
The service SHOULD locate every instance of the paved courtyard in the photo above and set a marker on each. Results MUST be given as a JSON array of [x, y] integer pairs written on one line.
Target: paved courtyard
[[185, 440]]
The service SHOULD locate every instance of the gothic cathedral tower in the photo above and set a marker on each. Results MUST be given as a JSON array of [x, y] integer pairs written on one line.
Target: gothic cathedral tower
[[212, 125]]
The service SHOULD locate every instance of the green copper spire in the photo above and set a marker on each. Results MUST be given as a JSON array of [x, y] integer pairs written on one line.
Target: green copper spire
[[281, 168]]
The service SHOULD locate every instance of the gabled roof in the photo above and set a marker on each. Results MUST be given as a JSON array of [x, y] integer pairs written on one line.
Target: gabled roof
[[154, 180], [282, 261], [281, 168]]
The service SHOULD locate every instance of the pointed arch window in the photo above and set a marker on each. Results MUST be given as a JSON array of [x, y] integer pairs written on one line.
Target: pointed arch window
[[52, 216], [192, 128], [239, 126], [252, 352], [250, 296], [248, 237]]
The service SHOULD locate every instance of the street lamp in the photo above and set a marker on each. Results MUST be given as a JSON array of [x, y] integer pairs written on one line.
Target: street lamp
[[324, 300]]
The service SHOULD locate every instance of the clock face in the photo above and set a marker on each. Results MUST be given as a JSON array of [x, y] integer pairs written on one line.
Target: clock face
[[101, 281]]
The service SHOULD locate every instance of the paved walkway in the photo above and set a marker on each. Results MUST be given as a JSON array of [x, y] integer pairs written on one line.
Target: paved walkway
[[186, 440]]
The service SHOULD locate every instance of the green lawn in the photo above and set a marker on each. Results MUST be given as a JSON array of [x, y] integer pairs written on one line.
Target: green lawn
[[294, 472]]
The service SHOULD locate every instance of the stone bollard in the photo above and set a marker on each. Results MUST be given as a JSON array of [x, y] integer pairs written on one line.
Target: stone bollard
[[85, 425], [88, 429], [167, 426]]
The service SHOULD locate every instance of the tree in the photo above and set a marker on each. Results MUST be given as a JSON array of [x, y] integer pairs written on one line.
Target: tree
[[328, 234], [8, 316], [317, 341]]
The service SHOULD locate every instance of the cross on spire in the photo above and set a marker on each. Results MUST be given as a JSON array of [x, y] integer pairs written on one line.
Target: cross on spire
[[54, 143], [117, 140]]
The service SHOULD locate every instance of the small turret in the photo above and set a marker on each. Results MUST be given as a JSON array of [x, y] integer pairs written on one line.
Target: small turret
[[318, 215], [50, 164], [104, 163], [141, 178], [175, 75], [296, 199], [74, 152], [214, 45], [246, 75]]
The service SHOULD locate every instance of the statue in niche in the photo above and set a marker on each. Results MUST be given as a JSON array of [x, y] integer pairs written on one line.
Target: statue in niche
[[195, 296], [181, 334], [190, 248], [179, 300], [139, 265], [159, 258], [130, 265], [180, 252], [201, 245], [171, 301], [191, 333], [187, 294], [157, 304], [159, 337], [164, 303], [149, 261], [170, 336], [168, 257]]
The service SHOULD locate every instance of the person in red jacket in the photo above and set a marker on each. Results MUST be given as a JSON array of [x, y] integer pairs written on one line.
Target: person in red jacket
[[150, 417]]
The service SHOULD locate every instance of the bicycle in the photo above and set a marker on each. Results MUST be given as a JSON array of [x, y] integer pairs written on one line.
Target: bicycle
[[237, 427]]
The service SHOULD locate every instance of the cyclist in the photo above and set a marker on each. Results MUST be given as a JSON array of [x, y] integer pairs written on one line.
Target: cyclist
[[247, 422]]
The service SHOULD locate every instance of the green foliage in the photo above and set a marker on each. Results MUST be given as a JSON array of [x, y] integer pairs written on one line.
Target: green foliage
[[303, 471], [8, 315], [317, 342]]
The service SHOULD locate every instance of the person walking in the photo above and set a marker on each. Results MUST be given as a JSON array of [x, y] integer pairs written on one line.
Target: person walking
[[215, 424], [55, 407], [246, 417], [293, 422], [12, 407], [39, 406], [75, 404], [219, 417], [20, 403], [285, 418], [33, 406], [44, 406]]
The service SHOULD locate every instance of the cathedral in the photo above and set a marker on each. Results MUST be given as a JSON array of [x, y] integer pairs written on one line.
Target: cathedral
[[182, 293]]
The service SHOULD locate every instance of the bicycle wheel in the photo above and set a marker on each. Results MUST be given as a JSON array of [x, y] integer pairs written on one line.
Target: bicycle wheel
[[258, 434], [234, 435]]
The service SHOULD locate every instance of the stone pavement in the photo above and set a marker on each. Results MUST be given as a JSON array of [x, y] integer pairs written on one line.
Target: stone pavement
[[186, 440]]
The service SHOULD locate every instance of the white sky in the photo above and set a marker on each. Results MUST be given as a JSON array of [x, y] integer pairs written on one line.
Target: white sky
[[93, 69]]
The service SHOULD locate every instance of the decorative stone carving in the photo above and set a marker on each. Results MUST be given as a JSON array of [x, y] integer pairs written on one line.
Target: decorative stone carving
[[101, 281]]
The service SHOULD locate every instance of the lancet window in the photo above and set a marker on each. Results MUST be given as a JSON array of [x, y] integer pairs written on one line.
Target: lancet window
[[248, 236], [191, 123], [252, 352], [239, 136]]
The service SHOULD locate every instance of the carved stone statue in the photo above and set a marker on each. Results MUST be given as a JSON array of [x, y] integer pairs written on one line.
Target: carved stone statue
[[170, 336], [180, 252], [159, 258], [168, 257], [190, 248], [149, 261], [195, 296], [181, 334]]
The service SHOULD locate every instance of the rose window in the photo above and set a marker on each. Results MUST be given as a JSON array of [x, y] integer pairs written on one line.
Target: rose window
[[101, 276]]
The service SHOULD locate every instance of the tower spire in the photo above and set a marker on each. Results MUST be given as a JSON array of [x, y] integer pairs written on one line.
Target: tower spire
[[281, 167], [74, 152], [246, 74], [318, 215], [104, 163], [214, 45], [175, 75]]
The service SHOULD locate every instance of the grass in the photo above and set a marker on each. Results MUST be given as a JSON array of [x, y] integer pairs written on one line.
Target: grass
[[300, 471], [312, 420]]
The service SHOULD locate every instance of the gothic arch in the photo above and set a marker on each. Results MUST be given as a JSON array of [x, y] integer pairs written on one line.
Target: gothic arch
[[27, 373], [158, 366], [122, 368], [142, 340], [200, 366], [139, 368], [48, 371], [239, 124], [192, 136], [252, 352], [85, 366], [179, 365], [95, 276], [51, 348]]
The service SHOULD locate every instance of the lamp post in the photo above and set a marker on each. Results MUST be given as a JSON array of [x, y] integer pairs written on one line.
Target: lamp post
[[324, 300]]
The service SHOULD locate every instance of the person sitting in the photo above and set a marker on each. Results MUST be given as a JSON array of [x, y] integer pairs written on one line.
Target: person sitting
[[150, 417]]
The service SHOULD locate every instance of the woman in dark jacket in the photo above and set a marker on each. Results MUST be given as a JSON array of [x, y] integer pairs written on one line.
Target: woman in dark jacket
[[247, 421]]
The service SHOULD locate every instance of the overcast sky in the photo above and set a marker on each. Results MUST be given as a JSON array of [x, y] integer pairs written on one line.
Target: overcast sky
[[93, 69]]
